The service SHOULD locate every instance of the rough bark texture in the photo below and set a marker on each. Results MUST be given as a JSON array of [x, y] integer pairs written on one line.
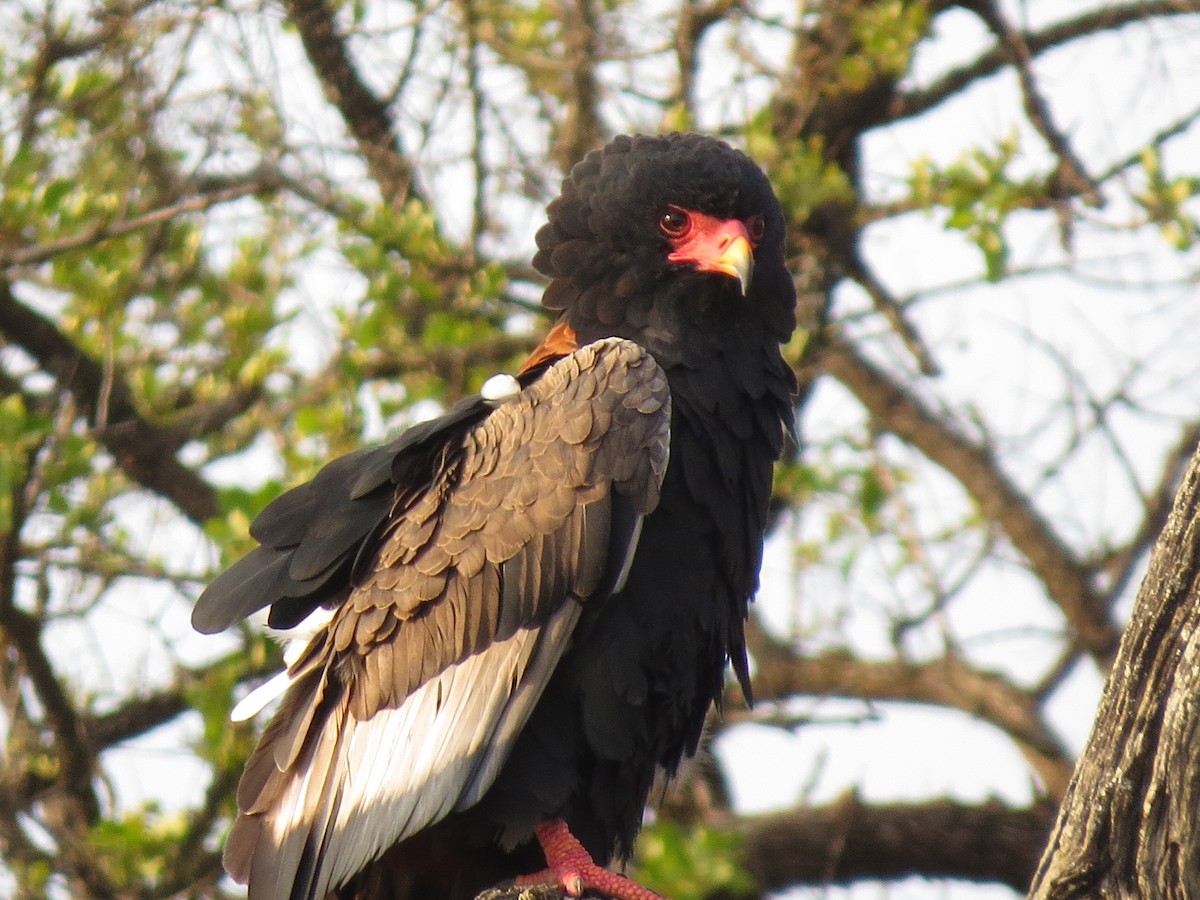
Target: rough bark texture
[[1127, 827]]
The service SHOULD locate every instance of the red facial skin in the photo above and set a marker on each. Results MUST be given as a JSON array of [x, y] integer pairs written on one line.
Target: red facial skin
[[709, 244]]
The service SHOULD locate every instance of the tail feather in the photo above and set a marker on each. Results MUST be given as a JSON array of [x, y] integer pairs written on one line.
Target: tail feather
[[327, 792]]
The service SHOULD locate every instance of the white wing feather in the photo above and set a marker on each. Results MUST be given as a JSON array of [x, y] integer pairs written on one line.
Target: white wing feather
[[453, 731]]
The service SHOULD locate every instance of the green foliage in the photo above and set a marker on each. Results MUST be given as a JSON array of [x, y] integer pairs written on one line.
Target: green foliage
[[34, 877], [863, 508], [886, 33], [419, 302], [526, 36], [138, 847], [222, 744], [231, 529], [20, 433], [802, 173], [980, 192], [690, 863], [169, 207], [854, 478], [1166, 200]]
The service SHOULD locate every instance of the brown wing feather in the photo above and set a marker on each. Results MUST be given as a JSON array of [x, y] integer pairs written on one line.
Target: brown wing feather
[[426, 674]]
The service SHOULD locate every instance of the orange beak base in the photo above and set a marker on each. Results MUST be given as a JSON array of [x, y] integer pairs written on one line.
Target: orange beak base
[[715, 245]]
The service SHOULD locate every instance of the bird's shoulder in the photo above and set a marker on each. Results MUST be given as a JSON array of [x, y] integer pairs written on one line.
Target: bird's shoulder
[[386, 522]]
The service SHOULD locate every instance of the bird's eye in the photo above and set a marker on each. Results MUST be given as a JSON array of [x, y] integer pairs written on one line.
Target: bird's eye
[[675, 222], [756, 226]]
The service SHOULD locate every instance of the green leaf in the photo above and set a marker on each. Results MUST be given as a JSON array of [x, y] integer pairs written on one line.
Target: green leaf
[[690, 863]]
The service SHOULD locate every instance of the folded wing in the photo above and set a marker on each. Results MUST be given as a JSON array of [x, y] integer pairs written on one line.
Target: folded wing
[[457, 602]]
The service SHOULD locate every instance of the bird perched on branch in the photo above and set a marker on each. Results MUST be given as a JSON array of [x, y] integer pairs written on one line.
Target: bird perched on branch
[[531, 600]]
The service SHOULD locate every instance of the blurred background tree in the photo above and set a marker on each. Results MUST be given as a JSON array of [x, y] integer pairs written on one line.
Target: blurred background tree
[[237, 238]]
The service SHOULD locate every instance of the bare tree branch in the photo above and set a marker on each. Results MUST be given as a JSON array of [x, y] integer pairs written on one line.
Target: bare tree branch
[[1071, 178], [1122, 563], [948, 681], [897, 410], [1103, 18], [145, 452], [849, 841], [580, 130], [696, 17], [364, 113], [23, 633], [259, 181]]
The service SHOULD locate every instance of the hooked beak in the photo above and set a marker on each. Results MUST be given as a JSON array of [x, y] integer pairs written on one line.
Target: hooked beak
[[718, 246], [736, 260]]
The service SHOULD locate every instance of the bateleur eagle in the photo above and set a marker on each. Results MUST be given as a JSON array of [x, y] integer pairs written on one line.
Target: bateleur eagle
[[530, 601]]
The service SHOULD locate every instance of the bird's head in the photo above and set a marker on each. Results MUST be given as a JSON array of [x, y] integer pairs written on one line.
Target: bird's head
[[657, 237]]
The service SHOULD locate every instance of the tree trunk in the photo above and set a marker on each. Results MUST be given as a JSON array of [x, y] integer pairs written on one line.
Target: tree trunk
[[1128, 824]]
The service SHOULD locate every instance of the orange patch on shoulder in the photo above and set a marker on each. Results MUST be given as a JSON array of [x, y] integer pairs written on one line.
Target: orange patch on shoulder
[[557, 343]]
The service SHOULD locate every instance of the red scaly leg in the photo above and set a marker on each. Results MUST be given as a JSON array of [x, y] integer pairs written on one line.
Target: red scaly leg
[[572, 868]]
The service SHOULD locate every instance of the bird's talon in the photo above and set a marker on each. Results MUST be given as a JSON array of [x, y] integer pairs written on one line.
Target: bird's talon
[[572, 868]]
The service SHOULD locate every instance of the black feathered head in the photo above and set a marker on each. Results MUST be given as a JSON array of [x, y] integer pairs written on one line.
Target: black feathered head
[[673, 241]]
